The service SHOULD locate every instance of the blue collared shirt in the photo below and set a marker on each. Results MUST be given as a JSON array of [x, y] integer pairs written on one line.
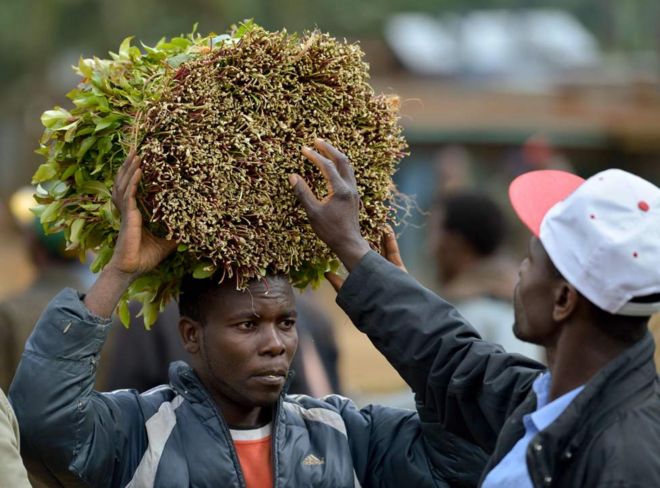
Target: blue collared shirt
[[512, 469]]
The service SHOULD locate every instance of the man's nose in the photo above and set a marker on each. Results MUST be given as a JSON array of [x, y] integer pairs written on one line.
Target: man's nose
[[272, 341]]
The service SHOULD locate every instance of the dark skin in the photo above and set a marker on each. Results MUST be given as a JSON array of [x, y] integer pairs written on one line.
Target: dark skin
[[549, 310], [243, 349]]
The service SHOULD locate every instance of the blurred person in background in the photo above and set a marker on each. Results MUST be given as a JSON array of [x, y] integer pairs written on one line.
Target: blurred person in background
[[475, 276], [538, 153], [55, 268], [137, 358], [316, 362]]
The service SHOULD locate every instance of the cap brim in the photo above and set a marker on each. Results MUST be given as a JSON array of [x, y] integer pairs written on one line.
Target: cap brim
[[533, 194]]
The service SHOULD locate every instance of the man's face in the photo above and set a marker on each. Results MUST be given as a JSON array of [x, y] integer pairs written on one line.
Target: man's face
[[533, 297], [248, 342]]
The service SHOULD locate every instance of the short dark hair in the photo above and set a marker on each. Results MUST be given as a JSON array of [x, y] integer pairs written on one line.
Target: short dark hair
[[196, 295], [624, 328], [476, 217]]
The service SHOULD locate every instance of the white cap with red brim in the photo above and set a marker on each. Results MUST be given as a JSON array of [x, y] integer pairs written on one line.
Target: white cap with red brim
[[602, 234]]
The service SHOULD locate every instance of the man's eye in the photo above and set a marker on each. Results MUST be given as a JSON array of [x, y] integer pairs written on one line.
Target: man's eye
[[288, 324], [247, 325]]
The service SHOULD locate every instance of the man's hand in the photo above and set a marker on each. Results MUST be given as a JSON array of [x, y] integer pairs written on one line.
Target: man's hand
[[137, 250], [390, 251], [335, 218]]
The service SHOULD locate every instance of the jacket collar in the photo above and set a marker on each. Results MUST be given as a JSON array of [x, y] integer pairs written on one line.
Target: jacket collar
[[186, 383], [612, 387]]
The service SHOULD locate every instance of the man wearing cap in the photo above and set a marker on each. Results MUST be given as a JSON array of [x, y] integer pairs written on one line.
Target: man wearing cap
[[586, 290]]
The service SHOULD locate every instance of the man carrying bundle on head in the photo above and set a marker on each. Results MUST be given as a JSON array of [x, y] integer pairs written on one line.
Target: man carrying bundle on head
[[225, 420]]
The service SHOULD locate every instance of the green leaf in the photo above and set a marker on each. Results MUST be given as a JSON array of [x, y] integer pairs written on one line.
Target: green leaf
[[50, 213], [46, 171], [111, 214], [68, 173], [55, 118], [203, 270], [107, 121], [176, 61], [244, 28], [70, 134], [124, 47], [76, 229], [182, 247], [150, 311], [124, 313], [85, 146], [89, 101], [102, 258], [79, 177], [85, 68], [56, 189], [94, 187]]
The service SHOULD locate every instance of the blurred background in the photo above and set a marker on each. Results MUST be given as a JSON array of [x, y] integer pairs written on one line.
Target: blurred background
[[489, 89]]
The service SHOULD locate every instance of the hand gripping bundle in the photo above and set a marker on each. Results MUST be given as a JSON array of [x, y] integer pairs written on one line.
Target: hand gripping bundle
[[219, 122]]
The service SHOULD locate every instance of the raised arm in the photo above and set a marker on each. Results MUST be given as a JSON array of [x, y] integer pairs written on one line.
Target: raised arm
[[467, 385], [137, 250], [69, 431]]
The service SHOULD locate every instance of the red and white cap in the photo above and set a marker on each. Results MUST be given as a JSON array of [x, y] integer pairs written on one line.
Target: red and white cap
[[602, 234]]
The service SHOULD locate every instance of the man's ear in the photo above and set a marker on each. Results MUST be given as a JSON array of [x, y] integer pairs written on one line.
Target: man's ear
[[191, 334], [566, 301]]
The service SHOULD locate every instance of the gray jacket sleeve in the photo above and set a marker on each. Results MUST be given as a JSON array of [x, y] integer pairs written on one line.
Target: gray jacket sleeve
[[465, 384], [12, 471], [392, 447], [69, 431]]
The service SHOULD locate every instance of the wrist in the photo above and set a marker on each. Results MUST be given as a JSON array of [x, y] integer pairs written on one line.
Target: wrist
[[105, 293], [116, 274], [351, 253]]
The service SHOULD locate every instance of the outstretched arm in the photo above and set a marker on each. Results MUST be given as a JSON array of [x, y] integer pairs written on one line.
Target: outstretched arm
[[467, 385]]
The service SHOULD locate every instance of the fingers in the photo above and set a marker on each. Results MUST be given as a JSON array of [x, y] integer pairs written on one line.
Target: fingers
[[391, 248], [303, 193], [131, 191], [339, 159], [326, 166], [126, 183], [124, 176], [335, 280]]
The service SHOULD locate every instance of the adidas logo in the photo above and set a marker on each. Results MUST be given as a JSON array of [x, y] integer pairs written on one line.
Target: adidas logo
[[312, 460]]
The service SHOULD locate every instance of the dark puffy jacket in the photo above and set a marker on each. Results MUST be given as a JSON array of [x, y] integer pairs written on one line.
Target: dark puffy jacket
[[608, 436], [173, 436]]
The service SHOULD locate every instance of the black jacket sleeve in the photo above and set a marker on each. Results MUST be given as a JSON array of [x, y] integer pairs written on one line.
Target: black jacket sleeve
[[392, 447], [467, 385]]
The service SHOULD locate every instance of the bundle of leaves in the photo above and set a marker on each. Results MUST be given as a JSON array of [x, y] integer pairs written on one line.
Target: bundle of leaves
[[219, 123]]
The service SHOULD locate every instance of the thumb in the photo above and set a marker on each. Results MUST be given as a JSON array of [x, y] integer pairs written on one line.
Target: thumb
[[303, 193], [335, 280], [391, 248]]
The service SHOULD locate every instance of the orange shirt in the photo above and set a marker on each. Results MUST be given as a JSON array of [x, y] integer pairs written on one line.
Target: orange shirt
[[253, 448]]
